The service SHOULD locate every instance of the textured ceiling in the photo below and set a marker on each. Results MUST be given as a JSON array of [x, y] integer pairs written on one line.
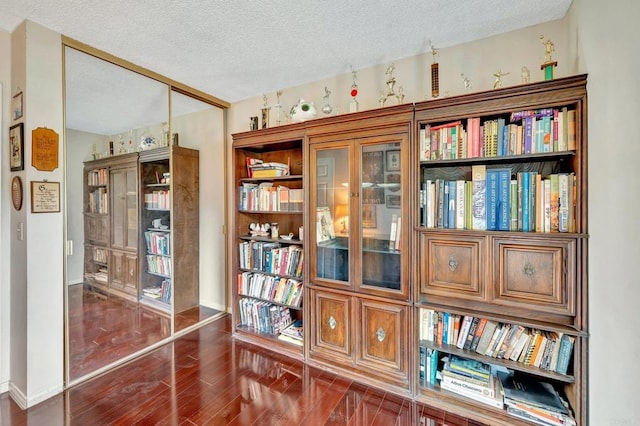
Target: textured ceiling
[[239, 49]]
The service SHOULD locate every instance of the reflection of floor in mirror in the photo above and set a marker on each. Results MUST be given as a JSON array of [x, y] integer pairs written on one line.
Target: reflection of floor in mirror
[[103, 329]]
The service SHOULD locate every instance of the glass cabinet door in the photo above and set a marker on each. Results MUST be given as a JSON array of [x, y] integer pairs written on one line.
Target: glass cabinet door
[[380, 217], [330, 197]]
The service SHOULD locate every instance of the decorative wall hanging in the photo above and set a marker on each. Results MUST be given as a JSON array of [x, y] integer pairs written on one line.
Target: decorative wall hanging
[[16, 147], [45, 197], [17, 106], [44, 149]]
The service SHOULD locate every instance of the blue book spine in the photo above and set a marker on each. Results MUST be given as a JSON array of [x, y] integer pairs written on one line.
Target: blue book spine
[[423, 364], [492, 199], [504, 199], [451, 211], [434, 366], [445, 328], [525, 201]]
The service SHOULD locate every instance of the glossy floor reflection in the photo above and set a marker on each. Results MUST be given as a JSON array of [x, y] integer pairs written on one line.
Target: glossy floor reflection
[[207, 378]]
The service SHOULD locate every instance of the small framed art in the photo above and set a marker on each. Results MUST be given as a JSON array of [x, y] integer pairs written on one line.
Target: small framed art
[[16, 147], [16, 106], [393, 161]]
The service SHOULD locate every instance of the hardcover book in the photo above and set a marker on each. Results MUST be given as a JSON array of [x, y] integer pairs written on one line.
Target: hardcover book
[[479, 194]]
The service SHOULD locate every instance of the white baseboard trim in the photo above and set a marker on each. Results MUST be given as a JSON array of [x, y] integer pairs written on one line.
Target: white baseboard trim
[[24, 403]]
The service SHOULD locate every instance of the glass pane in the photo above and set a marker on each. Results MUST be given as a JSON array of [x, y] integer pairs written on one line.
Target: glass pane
[[332, 214], [117, 239], [380, 215], [132, 209]]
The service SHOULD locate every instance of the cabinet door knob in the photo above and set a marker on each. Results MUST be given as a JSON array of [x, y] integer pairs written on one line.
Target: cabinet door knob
[[381, 334], [332, 322], [529, 270], [453, 263]]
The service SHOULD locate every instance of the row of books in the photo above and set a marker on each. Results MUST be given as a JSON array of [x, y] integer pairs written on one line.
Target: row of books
[[293, 333], [263, 317], [158, 242], [97, 177], [266, 197], [271, 257], [100, 255], [530, 132], [533, 347], [161, 292], [99, 201], [494, 200], [286, 291], [536, 401], [428, 365], [158, 264], [256, 168], [157, 200]]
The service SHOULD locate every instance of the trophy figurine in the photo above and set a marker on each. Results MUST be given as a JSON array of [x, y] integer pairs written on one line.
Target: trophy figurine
[[327, 108], [435, 73], [278, 107], [391, 82], [498, 81], [353, 105], [525, 75], [466, 82], [549, 63], [265, 112]]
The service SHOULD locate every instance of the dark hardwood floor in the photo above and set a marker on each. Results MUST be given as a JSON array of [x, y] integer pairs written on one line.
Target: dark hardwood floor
[[207, 378], [104, 329]]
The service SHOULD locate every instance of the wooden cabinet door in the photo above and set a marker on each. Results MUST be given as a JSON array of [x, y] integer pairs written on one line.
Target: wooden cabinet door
[[131, 274], [96, 229], [117, 271], [384, 338], [537, 274], [453, 266], [331, 325]]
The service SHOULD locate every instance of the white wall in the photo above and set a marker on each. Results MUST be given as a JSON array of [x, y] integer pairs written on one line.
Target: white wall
[[598, 38], [204, 131], [5, 97], [604, 42], [37, 262], [78, 149]]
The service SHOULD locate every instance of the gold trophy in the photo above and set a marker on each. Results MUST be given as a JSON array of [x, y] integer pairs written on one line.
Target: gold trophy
[[549, 63]]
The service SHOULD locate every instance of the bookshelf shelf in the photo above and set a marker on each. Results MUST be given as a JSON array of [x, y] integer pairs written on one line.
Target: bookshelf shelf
[[270, 301]]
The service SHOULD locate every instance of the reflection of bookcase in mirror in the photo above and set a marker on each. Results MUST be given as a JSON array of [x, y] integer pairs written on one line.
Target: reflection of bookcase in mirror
[[111, 225], [501, 231], [169, 228], [267, 269], [359, 294]]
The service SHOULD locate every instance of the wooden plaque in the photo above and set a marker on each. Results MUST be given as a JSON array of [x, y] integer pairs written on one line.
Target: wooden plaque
[[44, 144], [45, 197]]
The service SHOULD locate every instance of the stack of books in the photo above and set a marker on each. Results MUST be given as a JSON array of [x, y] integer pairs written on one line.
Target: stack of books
[[471, 379], [535, 401], [259, 169], [292, 333]]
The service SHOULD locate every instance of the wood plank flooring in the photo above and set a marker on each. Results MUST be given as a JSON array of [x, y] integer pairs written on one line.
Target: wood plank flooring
[[207, 378]]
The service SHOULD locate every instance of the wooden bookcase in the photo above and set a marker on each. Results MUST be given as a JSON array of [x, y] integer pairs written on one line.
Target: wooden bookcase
[[537, 280], [267, 200], [364, 299], [169, 228], [111, 225]]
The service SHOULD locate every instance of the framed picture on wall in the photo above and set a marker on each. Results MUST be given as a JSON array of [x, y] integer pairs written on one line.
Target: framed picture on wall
[[16, 147], [392, 162], [369, 216], [16, 106]]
